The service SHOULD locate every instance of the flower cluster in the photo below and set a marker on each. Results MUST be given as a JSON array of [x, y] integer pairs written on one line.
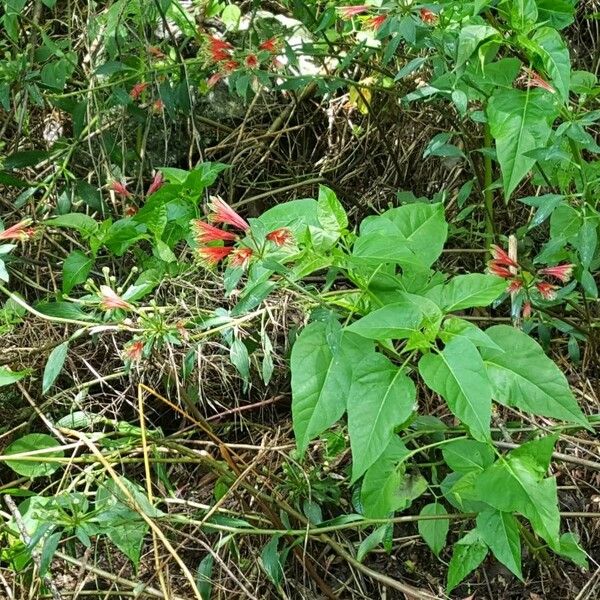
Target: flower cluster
[[428, 17], [519, 280], [225, 56], [239, 256], [120, 189]]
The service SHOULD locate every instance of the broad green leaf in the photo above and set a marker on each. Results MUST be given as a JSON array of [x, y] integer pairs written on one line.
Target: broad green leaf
[[525, 377], [520, 121], [83, 223], [7, 377], [54, 365], [514, 484], [522, 14], [330, 212], [382, 480], [565, 222], [569, 548], [413, 234], [458, 375], [394, 321], [558, 13], [467, 291], [469, 38], [456, 327], [297, 215], [468, 554], [321, 363], [555, 58], [381, 398], [546, 205], [76, 268], [500, 531], [34, 466], [434, 531], [464, 456]]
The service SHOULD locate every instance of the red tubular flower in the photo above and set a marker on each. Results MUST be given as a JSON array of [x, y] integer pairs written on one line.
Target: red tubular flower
[[205, 233], [156, 184], [221, 212], [347, 12], [137, 90], [133, 351], [527, 310], [280, 236], [219, 49], [230, 65], [428, 16], [110, 299], [131, 210], [20, 231], [158, 106], [270, 45], [514, 286], [241, 257], [214, 79], [561, 272], [212, 255], [497, 268], [501, 257], [536, 81], [120, 189], [546, 290], [251, 61], [376, 22]]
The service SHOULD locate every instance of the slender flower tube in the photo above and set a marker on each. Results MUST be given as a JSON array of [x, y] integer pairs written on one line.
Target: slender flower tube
[[221, 212]]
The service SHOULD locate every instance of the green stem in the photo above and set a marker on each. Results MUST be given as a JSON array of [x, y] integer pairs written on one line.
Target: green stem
[[488, 194]]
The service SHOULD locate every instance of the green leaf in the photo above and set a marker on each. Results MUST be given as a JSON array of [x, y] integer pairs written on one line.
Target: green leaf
[[374, 539], [565, 222], [297, 215], [569, 548], [64, 310], [522, 14], [382, 481], [434, 531], [54, 365], [558, 13], [515, 483], [76, 269], [83, 223], [468, 554], [555, 57], [240, 359], [469, 38], [271, 563], [500, 531], [7, 377], [381, 398], [525, 377], [467, 291], [413, 234], [321, 363], [36, 467], [520, 121], [204, 576], [392, 322], [25, 158], [455, 326], [464, 456], [587, 241], [231, 16], [458, 375], [330, 212]]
